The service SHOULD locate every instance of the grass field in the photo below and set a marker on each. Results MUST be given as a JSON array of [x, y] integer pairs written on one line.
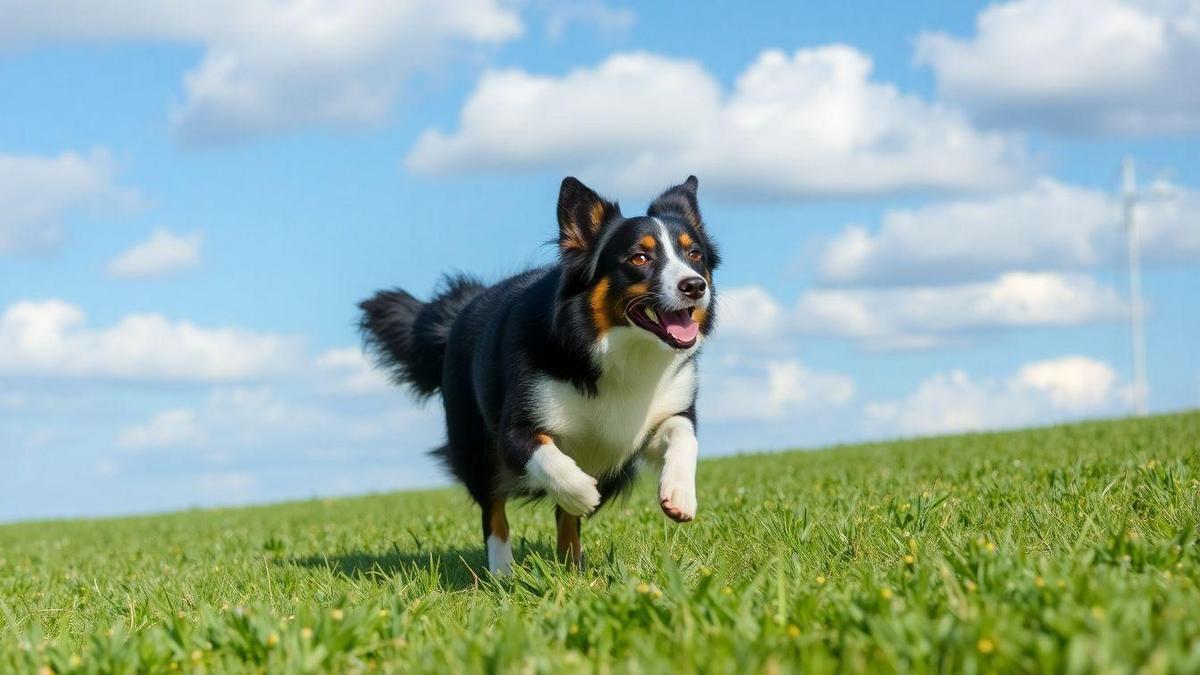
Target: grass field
[[1070, 549]]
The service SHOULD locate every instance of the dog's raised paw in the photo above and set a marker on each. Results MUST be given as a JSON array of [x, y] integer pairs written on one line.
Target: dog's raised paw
[[563, 481], [577, 494], [678, 503]]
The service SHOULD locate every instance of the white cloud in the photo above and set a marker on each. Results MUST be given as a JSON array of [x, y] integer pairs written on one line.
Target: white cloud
[[168, 428], [809, 123], [772, 391], [37, 193], [929, 316], [1077, 66], [275, 66], [630, 103], [346, 370], [748, 312], [1040, 392], [161, 255], [1049, 225], [1070, 383], [592, 13], [233, 420], [52, 338]]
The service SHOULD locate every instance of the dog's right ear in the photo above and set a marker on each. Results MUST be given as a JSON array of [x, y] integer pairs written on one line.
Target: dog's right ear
[[581, 215]]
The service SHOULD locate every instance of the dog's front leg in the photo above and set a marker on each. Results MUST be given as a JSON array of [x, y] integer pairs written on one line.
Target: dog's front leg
[[547, 469], [677, 483]]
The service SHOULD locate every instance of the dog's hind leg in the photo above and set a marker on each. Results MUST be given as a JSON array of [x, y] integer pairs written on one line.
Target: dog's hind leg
[[496, 538], [570, 549]]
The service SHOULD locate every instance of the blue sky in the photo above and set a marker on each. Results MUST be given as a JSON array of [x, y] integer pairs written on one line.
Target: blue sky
[[916, 203]]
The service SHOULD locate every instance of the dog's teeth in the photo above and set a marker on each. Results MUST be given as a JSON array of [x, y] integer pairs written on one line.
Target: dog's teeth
[[650, 313]]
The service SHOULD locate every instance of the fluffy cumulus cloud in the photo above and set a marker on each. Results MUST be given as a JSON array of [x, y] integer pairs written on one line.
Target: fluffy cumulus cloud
[[812, 122], [1049, 225], [240, 404], [52, 338], [346, 370], [263, 443], [1071, 383], [929, 316], [163, 254], [773, 390], [315, 425], [38, 192], [1079, 66], [913, 317], [1039, 392], [273, 66], [748, 312], [237, 419]]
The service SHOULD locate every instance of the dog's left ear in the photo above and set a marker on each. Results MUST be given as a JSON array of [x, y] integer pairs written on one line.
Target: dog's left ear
[[581, 215], [679, 201]]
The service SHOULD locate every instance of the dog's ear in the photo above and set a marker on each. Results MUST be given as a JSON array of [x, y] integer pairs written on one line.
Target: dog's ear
[[581, 215], [679, 201]]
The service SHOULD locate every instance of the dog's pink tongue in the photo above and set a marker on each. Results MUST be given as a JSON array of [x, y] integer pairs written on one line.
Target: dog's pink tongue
[[679, 325]]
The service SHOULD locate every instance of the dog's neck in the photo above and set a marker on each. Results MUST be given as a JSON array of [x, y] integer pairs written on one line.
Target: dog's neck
[[626, 354]]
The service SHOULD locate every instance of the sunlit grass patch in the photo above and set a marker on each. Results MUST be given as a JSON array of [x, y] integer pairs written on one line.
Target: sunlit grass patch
[[1066, 549]]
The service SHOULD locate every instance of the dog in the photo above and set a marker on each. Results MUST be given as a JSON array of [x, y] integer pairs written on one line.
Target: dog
[[561, 381]]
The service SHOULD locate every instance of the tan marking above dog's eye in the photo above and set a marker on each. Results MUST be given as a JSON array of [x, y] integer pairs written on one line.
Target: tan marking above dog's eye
[[639, 259], [695, 254]]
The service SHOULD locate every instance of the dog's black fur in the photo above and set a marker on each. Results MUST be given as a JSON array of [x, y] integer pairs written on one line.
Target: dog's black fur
[[488, 349]]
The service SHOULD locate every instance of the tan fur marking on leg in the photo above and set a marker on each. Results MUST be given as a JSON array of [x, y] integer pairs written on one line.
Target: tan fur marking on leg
[[498, 521], [570, 549]]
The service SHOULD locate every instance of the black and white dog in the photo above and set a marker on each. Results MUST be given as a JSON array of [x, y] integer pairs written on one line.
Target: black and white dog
[[559, 381]]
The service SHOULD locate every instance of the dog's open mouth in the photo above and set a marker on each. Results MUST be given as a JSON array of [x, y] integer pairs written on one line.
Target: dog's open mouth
[[675, 327]]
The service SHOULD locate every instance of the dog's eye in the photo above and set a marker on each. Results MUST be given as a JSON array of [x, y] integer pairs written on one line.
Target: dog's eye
[[639, 259], [695, 254]]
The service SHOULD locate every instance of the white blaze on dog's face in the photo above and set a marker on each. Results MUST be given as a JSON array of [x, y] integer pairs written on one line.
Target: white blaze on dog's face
[[680, 280], [665, 279]]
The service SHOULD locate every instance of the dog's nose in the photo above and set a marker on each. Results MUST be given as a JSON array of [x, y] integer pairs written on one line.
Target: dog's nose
[[693, 287]]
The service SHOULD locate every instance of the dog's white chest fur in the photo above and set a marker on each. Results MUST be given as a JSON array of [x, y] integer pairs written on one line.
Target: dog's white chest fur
[[641, 386]]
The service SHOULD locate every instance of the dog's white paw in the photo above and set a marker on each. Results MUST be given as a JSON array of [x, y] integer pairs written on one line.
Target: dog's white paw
[[500, 556], [678, 500], [562, 479], [578, 495]]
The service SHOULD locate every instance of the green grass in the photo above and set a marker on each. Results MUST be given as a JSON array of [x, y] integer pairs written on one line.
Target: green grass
[[1070, 549]]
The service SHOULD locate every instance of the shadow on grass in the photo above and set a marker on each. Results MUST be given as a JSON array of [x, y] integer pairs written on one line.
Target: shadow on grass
[[455, 568]]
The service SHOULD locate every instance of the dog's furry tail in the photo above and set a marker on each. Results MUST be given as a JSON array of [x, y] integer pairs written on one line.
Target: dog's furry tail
[[408, 337]]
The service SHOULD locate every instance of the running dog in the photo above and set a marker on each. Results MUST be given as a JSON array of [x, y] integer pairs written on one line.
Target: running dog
[[561, 381]]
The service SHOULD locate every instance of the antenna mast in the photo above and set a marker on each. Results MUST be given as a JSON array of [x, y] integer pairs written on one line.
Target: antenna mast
[[1129, 197]]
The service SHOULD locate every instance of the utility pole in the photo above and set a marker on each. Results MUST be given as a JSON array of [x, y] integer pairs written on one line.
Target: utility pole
[[1141, 388]]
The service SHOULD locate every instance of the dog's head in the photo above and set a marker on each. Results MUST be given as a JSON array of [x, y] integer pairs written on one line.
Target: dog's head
[[653, 273]]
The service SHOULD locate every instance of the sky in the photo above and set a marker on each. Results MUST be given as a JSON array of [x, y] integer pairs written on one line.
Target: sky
[[917, 205]]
